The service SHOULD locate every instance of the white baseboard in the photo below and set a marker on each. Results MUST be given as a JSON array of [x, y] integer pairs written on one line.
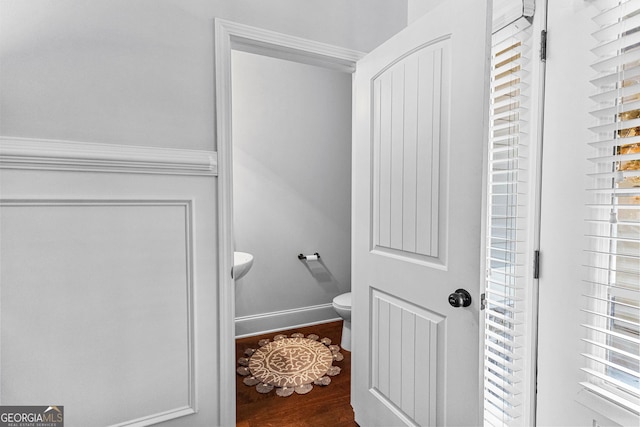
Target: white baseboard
[[265, 323]]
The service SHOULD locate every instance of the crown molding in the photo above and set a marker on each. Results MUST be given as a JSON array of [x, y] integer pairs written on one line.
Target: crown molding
[[76, 156]]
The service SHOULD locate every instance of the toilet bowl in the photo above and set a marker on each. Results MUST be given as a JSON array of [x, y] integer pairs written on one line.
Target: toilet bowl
[[342, 306]]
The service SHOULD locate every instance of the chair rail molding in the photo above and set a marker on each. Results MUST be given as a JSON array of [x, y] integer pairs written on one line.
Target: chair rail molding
[[77, 156]]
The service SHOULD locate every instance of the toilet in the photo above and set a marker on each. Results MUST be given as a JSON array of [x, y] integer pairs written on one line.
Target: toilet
[[342, 306]]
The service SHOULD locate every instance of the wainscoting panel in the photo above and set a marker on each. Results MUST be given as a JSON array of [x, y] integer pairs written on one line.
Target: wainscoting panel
[[108, 282], [407, 190], [77, 278], [406, 355]]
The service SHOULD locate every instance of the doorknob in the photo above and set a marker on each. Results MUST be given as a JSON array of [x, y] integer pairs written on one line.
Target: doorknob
[[460, 298]]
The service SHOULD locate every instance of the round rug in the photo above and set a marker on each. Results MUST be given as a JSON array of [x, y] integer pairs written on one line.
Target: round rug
[[290, 362]]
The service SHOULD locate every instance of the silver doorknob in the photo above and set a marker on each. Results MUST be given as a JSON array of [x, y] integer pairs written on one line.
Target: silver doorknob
[[460, 298]]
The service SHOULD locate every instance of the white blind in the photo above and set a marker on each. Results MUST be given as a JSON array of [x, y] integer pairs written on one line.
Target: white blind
[[611, 299], [508, 283]]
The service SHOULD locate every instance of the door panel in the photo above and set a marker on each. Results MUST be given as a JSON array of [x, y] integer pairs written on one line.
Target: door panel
[[406, 173], [407, 354], [419, 138]]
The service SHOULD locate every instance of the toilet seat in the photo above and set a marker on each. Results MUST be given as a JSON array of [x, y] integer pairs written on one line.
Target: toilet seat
[[343, 301]]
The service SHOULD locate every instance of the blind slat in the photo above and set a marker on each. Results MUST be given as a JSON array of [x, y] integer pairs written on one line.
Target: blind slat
[[616, 61], [613, 381], [612, 365], [614, 318], [504, 350], [616, 158], [617, 142], [608, 112], [612, 95], [612, 46], [609, 332], [609, 32], [613, 349], [594, 297], [511, 387], [611, 79], [611, 15], [503, 395]]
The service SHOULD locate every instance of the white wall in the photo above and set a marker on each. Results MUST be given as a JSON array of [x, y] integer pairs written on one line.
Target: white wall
[[417, 8], [140, 72], [563, 227], [292, 186]]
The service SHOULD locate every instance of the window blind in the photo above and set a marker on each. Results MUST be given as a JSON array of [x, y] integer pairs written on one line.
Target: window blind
[[509, 246], [611, 303]]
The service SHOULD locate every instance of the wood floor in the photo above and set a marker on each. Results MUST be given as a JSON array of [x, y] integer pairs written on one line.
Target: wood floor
[[322, 406]]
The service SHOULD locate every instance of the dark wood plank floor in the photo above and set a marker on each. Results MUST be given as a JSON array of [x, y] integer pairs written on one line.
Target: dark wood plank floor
[[322, 406]]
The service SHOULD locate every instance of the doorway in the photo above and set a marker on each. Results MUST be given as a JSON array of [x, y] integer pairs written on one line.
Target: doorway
[[231, 36], [292, 190]]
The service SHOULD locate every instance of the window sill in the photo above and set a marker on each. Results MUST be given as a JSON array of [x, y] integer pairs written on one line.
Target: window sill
[[606, 408]]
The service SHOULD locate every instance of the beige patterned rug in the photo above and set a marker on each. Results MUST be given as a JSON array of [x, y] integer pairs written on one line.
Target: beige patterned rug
[[290, 364]]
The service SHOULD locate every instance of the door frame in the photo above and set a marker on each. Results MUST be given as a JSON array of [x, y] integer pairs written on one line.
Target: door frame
[[233, 36]]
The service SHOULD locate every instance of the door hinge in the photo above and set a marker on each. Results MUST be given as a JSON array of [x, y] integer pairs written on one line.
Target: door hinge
[[543, 45], [536, 264], [483, 301]]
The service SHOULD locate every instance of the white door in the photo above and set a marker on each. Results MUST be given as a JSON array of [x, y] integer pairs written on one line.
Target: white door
[[419, 134]]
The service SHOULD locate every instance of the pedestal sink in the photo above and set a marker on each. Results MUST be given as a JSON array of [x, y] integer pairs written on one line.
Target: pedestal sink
[[242, 262]]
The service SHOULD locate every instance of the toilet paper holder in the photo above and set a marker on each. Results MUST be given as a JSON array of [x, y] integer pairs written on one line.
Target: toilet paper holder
[[304, 257]]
